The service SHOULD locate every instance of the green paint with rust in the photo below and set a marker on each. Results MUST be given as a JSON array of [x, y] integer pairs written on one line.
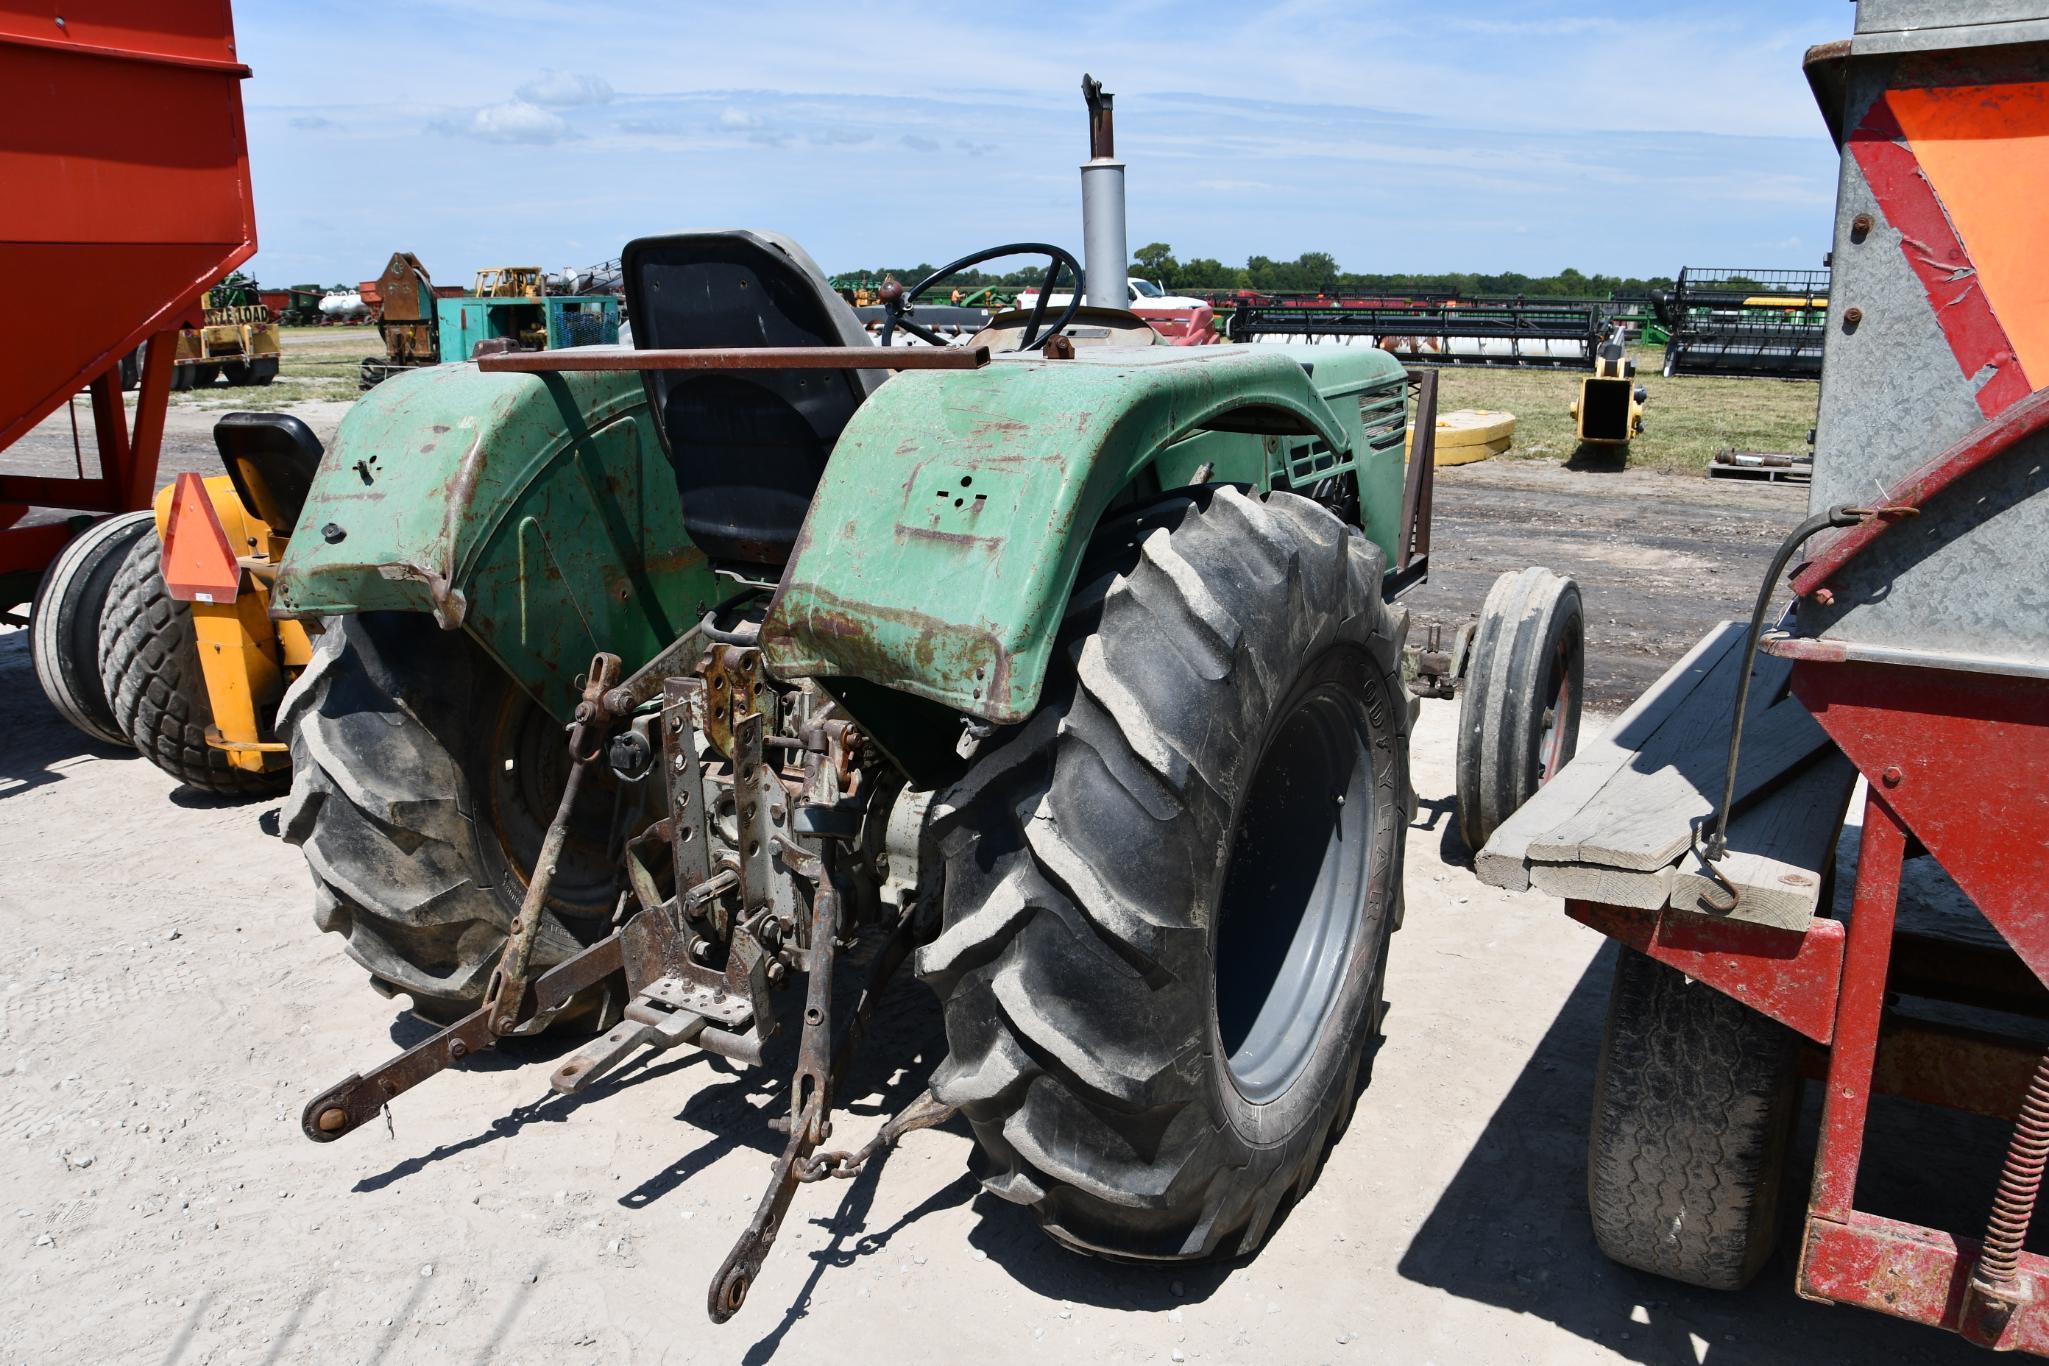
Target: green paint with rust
[[538, 513], [946, 535]]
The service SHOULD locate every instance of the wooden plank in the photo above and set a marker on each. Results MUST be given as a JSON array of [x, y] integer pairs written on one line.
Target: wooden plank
[[1503, 863], [1778, 849], [1649, 891], [1645, 815]]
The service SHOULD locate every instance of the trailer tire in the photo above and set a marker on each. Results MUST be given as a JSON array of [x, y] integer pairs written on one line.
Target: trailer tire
[[410, 750], [149, 667], [203, 376], [64, 622], [1519, 714], [1149, 1066], [1695, 1099], [181, 378]]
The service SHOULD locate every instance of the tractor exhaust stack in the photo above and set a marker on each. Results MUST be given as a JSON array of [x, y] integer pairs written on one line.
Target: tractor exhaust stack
[[1104, 262]]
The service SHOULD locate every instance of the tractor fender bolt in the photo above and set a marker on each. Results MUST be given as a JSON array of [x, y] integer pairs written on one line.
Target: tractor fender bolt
[[1860, 227], [1851, 317], [1824, 598], [332, 533], [1892, 776], [332, 1119]]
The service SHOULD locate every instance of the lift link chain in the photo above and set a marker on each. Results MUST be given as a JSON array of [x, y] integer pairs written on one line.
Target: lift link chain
[[925, 1112]]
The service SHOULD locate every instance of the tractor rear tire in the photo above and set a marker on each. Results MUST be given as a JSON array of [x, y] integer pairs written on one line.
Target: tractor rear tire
[[423, 781], [1695, 1099], [1168, 895], [149, 667], [64, 622], [1519, 714]]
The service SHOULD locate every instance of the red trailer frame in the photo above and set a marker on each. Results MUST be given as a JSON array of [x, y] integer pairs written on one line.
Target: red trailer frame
[[138, 216]]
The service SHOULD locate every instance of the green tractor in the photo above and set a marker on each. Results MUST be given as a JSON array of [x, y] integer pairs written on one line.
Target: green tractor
[[1064, 664]]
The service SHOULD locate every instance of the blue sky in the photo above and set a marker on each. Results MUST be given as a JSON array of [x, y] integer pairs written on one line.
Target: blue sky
[[1470, 135]]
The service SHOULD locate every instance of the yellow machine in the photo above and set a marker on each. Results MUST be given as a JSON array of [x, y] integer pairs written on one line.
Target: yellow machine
[[1610, 403], [164, 641], [509, 282], [236, 340], [219, 559]]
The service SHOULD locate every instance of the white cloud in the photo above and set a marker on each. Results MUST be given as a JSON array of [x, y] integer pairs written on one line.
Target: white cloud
[[517, 121], [310, 122], [565, 89], [740, 120], [917, 142]]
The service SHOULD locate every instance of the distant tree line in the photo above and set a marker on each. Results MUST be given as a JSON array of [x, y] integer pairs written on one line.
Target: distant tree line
[[1319, 270], [1310, 272]]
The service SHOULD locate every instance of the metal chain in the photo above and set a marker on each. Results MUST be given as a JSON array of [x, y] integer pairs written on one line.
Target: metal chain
[[923, 1113]]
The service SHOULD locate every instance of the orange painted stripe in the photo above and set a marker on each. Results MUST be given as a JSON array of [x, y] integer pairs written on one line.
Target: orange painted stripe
[[1985, 151]]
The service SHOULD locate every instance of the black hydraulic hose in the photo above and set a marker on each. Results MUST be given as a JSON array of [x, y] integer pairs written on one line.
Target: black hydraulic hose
[[749, 632], [1717, 844]]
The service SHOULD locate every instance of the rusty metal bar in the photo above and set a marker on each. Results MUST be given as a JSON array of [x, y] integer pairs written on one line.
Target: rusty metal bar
[[1854, 1055], [740, 358], [1412, 538]]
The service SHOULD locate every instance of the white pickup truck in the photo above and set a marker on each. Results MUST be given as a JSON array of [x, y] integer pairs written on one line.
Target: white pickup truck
[[1143, 294]]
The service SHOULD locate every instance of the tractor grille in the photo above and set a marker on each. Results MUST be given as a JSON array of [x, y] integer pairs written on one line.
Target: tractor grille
[[1384, 415], [1309, 461]]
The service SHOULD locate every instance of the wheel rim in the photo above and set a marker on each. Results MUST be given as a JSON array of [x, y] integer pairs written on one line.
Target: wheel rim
[[1294, 893], [1551, 754], [529, 765]]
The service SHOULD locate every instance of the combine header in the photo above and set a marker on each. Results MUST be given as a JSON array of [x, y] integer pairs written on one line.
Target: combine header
[[1767, 323], [1520, 332], [1702, 831]]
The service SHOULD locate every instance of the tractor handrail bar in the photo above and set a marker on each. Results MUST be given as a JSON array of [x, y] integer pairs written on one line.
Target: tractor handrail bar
[[738, 358]]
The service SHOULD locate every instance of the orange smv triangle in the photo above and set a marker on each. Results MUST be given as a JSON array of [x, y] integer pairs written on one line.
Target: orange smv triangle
[[198, 563], [1985, 150]]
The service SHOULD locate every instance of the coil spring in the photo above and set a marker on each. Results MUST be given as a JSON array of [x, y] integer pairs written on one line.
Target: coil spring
[[2020, 1181]]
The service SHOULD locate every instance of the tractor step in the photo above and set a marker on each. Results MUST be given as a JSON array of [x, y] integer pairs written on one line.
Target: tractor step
[[668, 1012]]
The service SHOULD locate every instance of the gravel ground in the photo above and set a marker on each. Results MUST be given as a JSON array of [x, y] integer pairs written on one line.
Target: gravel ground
[[166, 1007]]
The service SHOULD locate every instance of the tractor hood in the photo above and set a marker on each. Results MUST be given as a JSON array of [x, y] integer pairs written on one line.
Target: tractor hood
[[948, 531]]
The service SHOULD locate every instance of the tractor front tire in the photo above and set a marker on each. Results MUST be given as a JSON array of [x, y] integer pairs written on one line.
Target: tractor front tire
[[149, 668], [1168, 895], [1695, 1099], [64, 622], [1519, 714], [423, 781]]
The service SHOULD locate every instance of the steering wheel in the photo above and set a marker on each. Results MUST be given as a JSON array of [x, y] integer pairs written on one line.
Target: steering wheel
[[897, 301]]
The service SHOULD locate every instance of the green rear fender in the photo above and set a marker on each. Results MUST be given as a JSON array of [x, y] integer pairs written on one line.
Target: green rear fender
[[538, 513], [939, 554]]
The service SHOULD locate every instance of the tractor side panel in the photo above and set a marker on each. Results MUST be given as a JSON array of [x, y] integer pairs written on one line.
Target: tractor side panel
[[946, 535], [536, 512]]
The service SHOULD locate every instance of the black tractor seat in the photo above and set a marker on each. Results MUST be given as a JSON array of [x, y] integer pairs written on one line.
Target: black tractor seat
[[748, 446]]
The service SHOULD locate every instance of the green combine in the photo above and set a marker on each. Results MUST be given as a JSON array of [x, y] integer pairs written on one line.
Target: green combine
[[1063, 664]]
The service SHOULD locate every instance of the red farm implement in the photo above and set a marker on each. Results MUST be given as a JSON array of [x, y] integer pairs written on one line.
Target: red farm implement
[[127, 177], [1915, 657]]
